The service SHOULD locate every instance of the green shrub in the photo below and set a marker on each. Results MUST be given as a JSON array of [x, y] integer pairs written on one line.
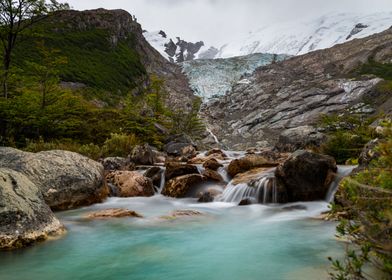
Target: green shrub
[[119, 145]]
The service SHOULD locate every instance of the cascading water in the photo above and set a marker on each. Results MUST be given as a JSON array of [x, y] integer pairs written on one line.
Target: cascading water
[[261, 190], [343, 171]]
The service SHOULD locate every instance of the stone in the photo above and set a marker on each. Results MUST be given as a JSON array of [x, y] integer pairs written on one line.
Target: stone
[[206, 197], [113, 213], [212, 175], [300, 137], [244, 202], [67, 180], [180, 149], [181, 186], [216, 151], [182, 214], [25, 218], [175, 169], [305, 176], [212, 164], [117, 163], [249, 162], [130, 184], [142, 155], [155, 174]]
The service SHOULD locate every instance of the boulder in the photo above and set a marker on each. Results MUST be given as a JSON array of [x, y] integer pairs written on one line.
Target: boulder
[[306, 176], [117, 163], [181, 186], [25, 218], [202, 159], [216, 152], [155, 174], [67, 180], [212, 175], [142, 155], [129, 184], [175, 169], [113, 213], [245, 201], [300, 137], [249, 162], [180, 149], [206, 197], [212, 164]]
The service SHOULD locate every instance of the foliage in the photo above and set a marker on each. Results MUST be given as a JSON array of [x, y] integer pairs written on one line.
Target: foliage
[[347, 136], [119, 145], [382, 70], [15, 17], [366, 198], [188, 123]]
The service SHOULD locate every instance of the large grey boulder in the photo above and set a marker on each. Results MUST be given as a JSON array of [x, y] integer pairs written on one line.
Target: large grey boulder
[[25, 218], [67, 180], [300, 137]]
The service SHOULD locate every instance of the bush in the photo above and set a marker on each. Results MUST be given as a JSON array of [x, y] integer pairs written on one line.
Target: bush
[[119, 145]]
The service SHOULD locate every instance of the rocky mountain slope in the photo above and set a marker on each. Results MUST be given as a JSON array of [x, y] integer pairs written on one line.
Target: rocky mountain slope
[[178, 50], [284, 97], [106, 50]]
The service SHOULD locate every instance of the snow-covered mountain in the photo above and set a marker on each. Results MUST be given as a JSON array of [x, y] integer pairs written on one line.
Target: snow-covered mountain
[[300, 37], [178, 50], [291, 37]]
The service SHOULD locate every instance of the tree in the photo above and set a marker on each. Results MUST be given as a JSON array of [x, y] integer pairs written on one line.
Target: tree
[[46, 72], [15, 17]]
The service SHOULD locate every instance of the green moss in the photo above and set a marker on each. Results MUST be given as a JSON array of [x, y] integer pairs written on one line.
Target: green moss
[[382, 70]]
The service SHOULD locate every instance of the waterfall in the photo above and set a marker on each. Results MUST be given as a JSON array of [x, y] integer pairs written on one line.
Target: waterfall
[[213, 135], [261, 190], [343, 171]]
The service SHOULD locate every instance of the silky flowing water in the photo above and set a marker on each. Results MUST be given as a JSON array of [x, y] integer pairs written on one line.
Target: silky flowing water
[[226, 242]]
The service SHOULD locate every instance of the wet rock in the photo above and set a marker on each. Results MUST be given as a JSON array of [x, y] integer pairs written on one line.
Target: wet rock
[[181, 186], [246, 201], [212, 175], [117, 163], [250, 176], [249, 162], [212, 164], [113, 213], [202, 159], [216, 152], [175, 169], [155, 174], [306, 176], [300, 137], [25, 218], [142, 155], [206, 197], [130, 184], [182, 214], [67, 180]]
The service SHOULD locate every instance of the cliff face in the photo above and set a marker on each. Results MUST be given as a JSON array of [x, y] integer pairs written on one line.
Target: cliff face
[[295, 92], [106, 49]]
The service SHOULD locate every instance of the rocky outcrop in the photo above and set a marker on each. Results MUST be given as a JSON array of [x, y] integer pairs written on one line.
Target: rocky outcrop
[[174, 169], [305, 176], [67, 180], [129, 184], [300, 137], [142, 155], [25, 218], [249, 162], [182, 186], [296, 92], [113, 213]]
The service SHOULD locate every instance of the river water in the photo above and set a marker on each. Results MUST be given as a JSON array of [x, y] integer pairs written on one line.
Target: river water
[[226, 242]]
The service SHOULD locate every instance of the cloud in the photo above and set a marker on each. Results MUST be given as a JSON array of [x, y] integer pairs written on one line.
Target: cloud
[[216, 21]]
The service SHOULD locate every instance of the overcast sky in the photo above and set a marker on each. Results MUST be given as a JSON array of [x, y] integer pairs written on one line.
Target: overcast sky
[[214, 21]]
